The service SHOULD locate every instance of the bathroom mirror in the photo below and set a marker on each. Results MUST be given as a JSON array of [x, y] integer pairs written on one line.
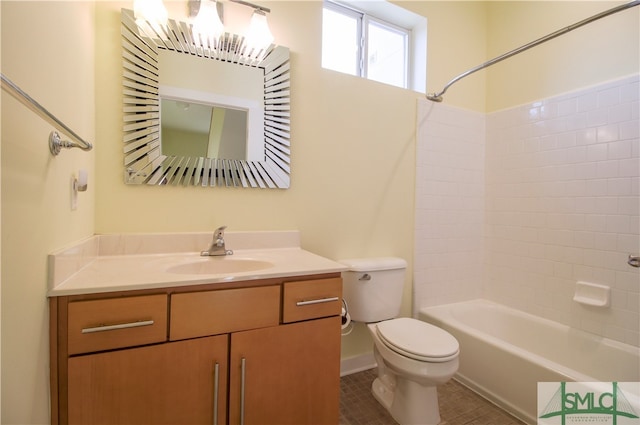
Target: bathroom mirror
[[241, 138], [194, 129]]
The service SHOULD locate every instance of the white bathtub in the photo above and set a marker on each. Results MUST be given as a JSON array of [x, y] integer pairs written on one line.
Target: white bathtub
[[504, 353]]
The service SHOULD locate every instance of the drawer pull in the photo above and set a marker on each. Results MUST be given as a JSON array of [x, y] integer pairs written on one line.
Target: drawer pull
[[318, 301], [119, 326], [243, 366], [216, 372]]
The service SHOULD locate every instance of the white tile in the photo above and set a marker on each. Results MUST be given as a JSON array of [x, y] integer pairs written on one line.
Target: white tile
[[619, 149], [630, 92], [596, 187], [618, 224], [629, 205], [606, 205], [597, 152], [619, 187], [605, 241], [587, 102], [608, 169], [609, 97], [629, 130], [556, 184], [567, 107], [620, 113], [628, 243], [597, 117], [607, 133], [586, 136]]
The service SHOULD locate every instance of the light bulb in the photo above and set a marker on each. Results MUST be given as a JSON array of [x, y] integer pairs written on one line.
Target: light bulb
[[151, 11], [207, 25], [258, 36]]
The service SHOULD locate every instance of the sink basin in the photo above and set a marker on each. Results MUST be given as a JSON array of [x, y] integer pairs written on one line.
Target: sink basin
[[219, 265]]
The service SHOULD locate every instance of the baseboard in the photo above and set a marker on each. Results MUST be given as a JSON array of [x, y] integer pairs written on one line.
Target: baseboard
[[357, 364]]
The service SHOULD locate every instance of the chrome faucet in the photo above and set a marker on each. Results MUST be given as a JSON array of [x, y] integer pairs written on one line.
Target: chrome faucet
[[217, 247]]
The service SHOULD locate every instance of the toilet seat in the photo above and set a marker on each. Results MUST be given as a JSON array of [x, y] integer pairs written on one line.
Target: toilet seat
[[418, 340]]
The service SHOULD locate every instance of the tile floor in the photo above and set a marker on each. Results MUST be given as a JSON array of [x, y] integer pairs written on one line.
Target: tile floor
[[458, 405]]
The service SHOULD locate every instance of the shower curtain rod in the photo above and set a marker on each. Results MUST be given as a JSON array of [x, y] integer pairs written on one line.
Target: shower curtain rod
[[437, 97], [55, 143]]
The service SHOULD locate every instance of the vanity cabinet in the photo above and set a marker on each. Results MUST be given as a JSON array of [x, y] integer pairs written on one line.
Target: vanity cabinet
[[166, 383], [286, 375], [255, 352]]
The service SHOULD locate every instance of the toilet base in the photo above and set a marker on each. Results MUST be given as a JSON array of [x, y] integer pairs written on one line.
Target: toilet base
[[407, 388], [407, 401], [382, 393]]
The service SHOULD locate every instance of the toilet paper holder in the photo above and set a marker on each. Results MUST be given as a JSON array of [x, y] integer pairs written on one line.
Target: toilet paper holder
[[346, 325]]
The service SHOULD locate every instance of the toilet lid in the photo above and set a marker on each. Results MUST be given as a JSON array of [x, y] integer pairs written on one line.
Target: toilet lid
[[418, 340]]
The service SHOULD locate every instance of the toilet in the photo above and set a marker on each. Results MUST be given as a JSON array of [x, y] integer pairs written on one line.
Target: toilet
[[413, 357]]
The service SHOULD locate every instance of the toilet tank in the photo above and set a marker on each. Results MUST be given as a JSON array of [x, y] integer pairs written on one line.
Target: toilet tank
[[372, 287]]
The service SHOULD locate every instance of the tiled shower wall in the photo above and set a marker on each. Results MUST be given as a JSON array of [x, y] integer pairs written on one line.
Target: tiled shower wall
[[449, 232], [562, 185], [549, 198]]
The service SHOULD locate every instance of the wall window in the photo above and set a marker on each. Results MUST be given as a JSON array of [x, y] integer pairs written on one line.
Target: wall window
[[357, 42], [341, 37]]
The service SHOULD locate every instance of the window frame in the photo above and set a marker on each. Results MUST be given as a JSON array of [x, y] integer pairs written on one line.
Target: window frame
[[352, 13], [363, 20], [391, 27]]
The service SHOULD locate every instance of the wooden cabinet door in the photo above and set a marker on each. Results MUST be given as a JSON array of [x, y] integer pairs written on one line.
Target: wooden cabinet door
[[172, 383], [291, 374]]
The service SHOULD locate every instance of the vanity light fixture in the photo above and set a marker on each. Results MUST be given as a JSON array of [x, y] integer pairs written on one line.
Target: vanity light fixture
[[207, 23], [258, 37], [151, 11]]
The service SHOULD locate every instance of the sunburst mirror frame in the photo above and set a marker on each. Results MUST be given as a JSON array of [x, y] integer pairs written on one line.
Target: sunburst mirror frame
[[143, 160]]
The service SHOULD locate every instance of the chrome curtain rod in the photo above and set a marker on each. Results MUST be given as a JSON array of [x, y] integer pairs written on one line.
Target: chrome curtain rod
[[55, 143], [437, 97]]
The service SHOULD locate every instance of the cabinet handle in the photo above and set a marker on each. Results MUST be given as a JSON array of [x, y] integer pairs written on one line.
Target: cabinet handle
[[104, 328], [243, 368], [318, 301], [216, 370]]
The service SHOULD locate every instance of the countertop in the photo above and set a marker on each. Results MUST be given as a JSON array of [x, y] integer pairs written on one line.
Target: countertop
[[89, 267]]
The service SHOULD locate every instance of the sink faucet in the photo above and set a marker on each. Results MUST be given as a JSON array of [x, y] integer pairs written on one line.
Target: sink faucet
[[217, 247]]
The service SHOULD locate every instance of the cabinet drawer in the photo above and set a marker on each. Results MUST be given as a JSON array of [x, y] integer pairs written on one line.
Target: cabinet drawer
[[311, 299], [98, 325], [205, 313]]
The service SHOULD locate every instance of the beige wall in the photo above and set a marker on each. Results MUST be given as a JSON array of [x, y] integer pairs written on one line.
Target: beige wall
[[47, 49], [456, 42], [353, 144], [603, 50], [353, 156]]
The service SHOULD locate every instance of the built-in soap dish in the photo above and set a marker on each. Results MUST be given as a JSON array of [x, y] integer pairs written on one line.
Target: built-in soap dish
[[592, 294]]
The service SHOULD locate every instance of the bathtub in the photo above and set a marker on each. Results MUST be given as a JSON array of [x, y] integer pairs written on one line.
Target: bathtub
[[504, 353]]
